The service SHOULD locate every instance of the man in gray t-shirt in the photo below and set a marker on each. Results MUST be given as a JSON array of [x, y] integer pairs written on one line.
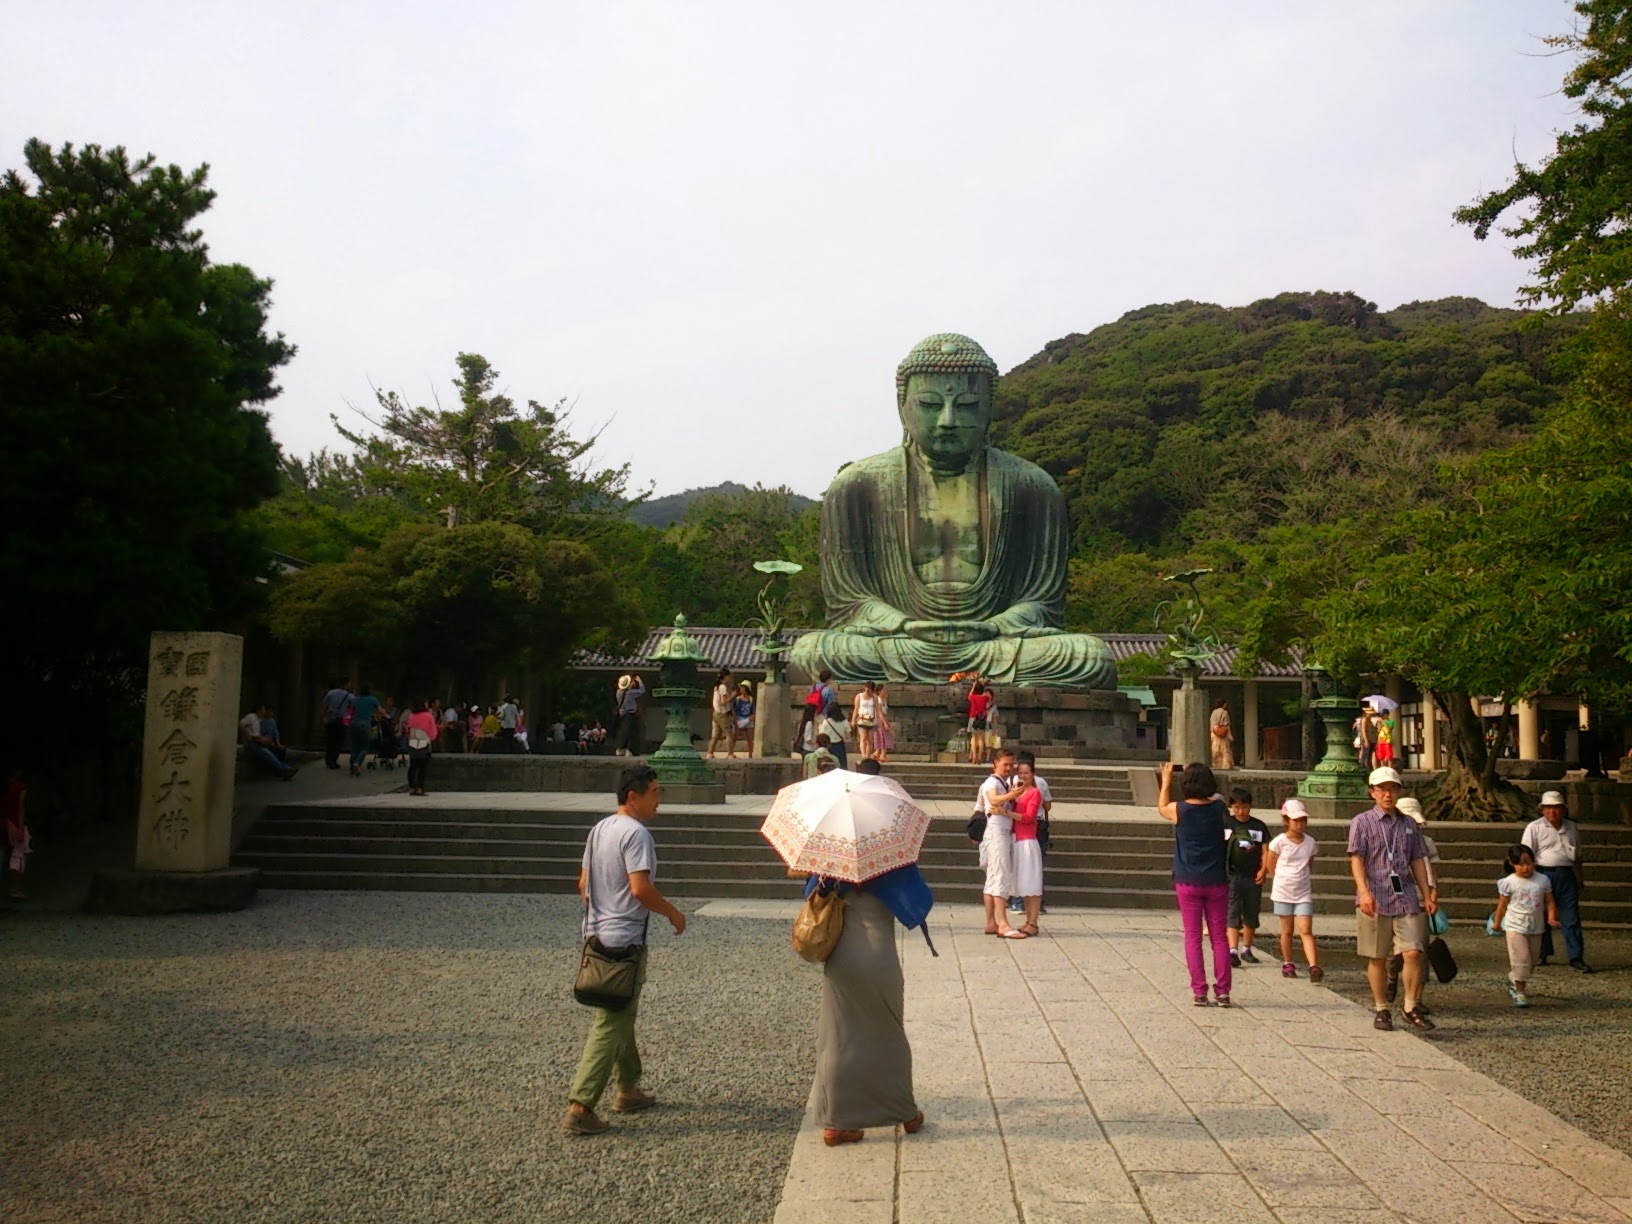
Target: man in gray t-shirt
[[619, 897]]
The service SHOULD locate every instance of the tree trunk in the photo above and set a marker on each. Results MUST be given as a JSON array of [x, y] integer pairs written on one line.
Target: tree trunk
[[1471, 788]]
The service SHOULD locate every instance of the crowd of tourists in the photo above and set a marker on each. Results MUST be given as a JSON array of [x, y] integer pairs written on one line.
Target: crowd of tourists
[[1221, 859], [1224, 858], [826, 730]]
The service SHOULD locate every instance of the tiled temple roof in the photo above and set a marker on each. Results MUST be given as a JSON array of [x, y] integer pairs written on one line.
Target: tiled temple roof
[[734, 648]]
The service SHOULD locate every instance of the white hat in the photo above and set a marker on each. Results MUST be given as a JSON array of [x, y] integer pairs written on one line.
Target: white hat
[[1552, 799], [1293, 809], [1412, 808], [1383, 774]]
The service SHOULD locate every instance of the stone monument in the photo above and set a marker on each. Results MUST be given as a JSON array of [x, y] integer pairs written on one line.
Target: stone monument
[[946, 555], [189, 754]]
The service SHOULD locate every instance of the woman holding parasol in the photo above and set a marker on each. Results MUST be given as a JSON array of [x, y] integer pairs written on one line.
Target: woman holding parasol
[[859, 834]]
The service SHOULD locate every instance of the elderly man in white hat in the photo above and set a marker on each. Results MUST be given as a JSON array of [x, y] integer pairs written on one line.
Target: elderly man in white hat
[[1554, 840], [1392, 897]]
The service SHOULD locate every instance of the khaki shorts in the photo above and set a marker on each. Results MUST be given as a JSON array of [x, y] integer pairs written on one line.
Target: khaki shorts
[[722, 726], [1387, 936]]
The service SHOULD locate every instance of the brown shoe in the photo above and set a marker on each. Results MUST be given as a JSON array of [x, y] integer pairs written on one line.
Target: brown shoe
[[1384, 1022], [914, 1124], [632, 1102], [833, 1137], [587, 1122]]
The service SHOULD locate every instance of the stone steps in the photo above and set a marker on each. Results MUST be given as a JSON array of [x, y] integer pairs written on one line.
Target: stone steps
[[405, 846]]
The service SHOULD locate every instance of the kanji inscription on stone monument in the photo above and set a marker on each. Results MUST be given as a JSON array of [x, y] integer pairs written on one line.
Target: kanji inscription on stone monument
[[189, 752]]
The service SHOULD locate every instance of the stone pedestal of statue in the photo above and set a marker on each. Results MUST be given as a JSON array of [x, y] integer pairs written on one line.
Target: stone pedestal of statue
[[189, 752], [928, 721], [1187, 728], [772, 732]]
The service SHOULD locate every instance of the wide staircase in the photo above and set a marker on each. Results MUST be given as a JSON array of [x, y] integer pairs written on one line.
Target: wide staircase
[[1105, 863]]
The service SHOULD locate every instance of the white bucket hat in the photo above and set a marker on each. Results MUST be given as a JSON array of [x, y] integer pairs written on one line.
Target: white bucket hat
[[1552, 799], [1412, 808]]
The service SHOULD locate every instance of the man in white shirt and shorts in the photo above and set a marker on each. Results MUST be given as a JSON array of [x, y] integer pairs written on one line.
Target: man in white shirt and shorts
[[997, 846]]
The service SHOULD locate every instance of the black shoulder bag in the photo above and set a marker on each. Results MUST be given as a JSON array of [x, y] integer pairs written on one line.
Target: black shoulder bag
[[606, 976]]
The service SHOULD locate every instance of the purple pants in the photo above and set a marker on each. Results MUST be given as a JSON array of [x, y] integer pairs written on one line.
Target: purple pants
[[1213, 901]]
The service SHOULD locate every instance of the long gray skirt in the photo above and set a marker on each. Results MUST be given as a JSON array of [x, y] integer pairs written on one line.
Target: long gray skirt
[[863, 1061]]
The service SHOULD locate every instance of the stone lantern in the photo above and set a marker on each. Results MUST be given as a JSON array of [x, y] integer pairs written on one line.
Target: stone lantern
[[1337, 785], [686, 777]]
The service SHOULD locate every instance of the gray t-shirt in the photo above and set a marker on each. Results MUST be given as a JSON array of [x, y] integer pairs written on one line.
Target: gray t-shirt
[[617, 846], [507, 716]]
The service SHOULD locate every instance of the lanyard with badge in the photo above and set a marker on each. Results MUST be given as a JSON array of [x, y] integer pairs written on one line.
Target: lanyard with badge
[[1391, 849]]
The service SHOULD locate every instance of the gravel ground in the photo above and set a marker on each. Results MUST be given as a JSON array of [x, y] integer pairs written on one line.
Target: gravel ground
[[1566, 1052], [385, 1056]]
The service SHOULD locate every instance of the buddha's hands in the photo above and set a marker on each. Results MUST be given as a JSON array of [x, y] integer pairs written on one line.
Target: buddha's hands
[[950, 632]]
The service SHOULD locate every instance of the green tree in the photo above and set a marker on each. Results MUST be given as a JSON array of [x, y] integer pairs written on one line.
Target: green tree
[[324, 509], [1577, 223], [1516, 585], [131, 367], [724, 533], [486, 459], [469, 598]]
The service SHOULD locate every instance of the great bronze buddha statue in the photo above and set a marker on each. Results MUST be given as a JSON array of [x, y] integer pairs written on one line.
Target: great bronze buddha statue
[[945, 554]]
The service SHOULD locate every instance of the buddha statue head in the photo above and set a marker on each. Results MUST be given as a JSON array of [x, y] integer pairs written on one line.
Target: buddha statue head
[[943, 391]]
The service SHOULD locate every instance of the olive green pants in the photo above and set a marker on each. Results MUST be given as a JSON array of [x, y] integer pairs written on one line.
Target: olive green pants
[[610, 1046]]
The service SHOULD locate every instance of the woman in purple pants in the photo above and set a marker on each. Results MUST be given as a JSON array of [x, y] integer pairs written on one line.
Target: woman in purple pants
[[1200, 873]]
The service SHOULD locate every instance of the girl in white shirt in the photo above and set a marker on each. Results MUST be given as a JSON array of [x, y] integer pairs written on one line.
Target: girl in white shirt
[[1293, 893]]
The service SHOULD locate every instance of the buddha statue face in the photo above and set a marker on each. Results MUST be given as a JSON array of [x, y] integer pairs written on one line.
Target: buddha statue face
[[947, 415]]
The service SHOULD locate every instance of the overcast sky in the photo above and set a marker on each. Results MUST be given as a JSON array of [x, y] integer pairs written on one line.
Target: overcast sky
[[718, 226]]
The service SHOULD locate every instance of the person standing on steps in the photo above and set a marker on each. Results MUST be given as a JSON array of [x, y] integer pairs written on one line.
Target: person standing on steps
[[615, 881], [626, 741], [1392, 897], [1556, 842], [721, 704], [1219, 735]]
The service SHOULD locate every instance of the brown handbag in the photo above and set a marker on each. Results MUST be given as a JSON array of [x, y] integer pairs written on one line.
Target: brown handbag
[[818, 925]]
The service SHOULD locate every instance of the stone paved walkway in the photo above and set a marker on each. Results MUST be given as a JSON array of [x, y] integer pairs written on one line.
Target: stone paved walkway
[[1069, 1078]]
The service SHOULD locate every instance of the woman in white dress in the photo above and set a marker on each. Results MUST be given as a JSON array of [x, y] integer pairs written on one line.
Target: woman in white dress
[[1028, 851]]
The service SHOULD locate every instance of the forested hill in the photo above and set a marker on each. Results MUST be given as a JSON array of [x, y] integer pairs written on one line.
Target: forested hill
[[668, 510], [1184, 423], [1261, 441]]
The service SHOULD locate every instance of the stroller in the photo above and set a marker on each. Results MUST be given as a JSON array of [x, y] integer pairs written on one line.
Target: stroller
[[387, 746]]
